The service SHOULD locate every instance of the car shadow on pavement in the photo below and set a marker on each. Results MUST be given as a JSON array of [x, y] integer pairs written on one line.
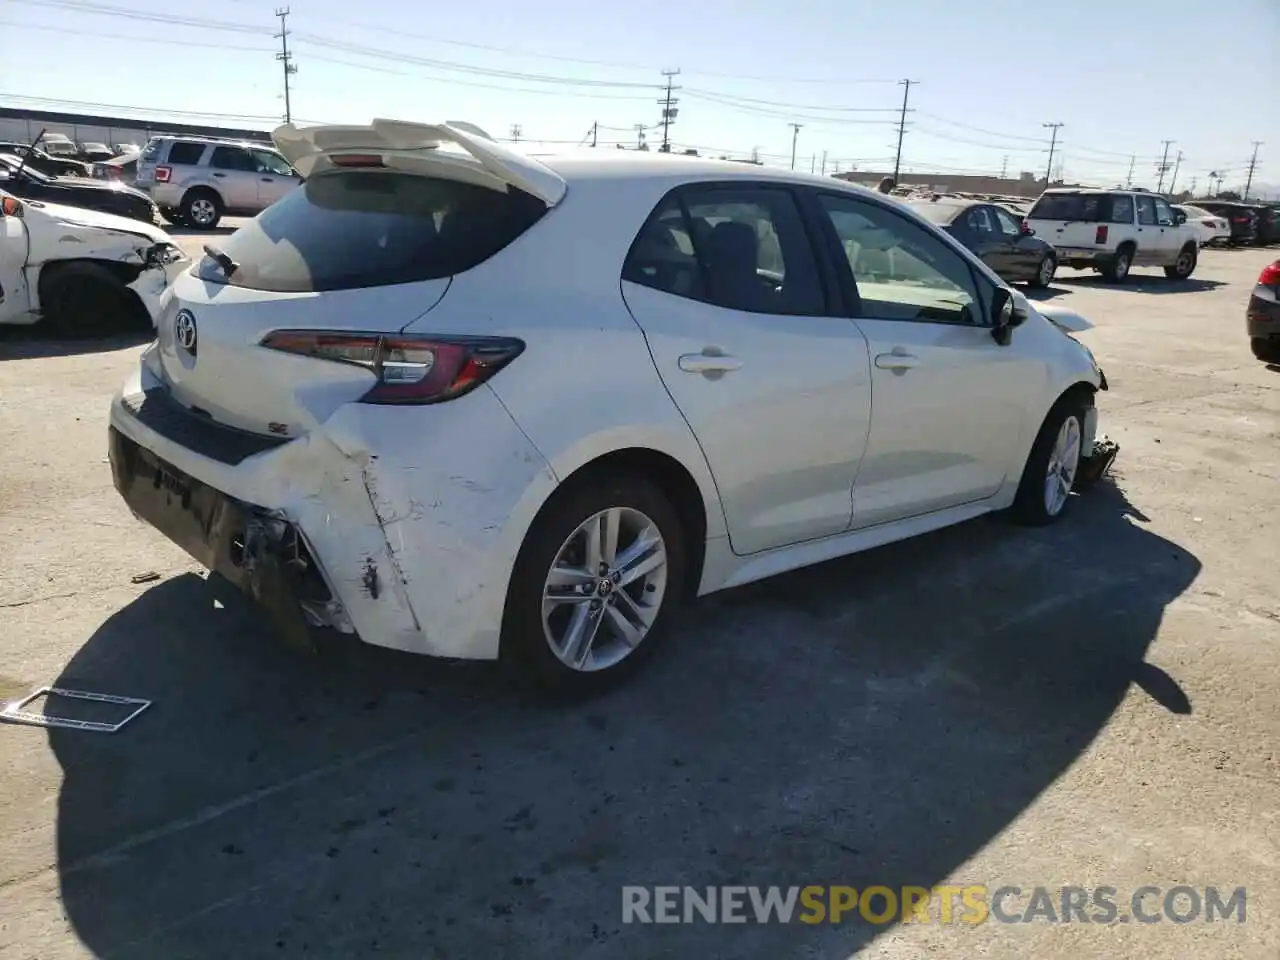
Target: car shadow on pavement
[[1145, 284], [1045, 293], [38, 342], [874, 720]]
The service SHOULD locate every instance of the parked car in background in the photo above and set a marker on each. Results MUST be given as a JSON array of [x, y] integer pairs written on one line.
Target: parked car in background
[[106, 196], [1004, 242], [83, 272], [1268, 223], [95, 152], [38, 159], [1111, 231], [197, 180], [1242, 218], [327, 368], [123, 169], [1263, 315], [59, 145], [1215, 230]]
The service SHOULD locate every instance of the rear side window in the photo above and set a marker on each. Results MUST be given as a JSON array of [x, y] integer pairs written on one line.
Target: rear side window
[[1087, 207], [369, 228], [185, 153], [231, 158], [742, 248]]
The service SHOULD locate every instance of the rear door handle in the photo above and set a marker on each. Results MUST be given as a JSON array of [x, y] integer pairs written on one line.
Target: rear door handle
[[897, 361], [709, 363], [219, 174], [268, 180]]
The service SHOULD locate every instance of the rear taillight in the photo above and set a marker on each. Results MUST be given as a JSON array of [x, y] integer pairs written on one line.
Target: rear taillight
[[163, 174], [409, 369], [1240, 219], [1270, 276], [1100, 235]]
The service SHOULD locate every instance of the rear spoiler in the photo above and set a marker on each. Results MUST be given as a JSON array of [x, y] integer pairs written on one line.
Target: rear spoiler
[[417, 146]]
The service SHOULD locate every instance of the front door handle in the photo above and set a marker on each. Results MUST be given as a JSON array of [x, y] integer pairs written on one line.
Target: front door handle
[[897, 361], [709, 363], [268, 180], [219, 174]]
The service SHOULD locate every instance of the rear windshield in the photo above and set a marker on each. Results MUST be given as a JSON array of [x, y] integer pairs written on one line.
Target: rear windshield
[[1084, 207], [371, 228]]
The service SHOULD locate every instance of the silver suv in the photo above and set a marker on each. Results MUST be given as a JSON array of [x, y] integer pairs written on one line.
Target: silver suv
[[195, 181]]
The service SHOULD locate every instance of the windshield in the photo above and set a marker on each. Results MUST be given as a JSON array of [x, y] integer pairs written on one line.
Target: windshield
[[59, 147], [368, 228]]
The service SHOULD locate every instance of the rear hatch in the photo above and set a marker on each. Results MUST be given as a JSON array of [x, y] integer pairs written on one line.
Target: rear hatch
[[1072, 219], [367, 245]]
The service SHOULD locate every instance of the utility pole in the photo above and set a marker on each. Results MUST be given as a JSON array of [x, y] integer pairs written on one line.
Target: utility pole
[[640, 144], [1128, 181], [1177, 162], [669, 109], [515, 133], [1053, 143], [824, 163], [595, 132], [1253, 163], [285, 58], [1193, 185], [902, 125], [1163, 165], [795, 135]]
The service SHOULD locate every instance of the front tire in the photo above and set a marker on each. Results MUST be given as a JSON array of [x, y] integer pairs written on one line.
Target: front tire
[[1184, 265], [595, 584], [1044, 491], [1266, 349], [85, 299]]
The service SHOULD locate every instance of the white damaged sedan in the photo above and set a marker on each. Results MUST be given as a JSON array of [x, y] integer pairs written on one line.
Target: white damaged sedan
[[82, 271], [467, 402]]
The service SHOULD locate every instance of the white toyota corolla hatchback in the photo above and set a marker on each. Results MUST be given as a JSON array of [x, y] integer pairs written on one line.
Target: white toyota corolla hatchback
[[466, 402]]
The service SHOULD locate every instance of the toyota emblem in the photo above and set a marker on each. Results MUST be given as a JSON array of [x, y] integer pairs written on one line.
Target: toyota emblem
[[184, 330]]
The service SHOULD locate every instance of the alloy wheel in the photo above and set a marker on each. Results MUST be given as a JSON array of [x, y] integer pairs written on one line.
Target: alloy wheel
[[202, 211], [605, 589], [1064, 460]]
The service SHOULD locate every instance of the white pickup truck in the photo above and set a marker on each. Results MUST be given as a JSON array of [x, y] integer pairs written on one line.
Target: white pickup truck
[[84, 272]]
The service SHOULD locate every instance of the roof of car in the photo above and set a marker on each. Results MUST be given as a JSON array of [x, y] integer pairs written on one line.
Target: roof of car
[[944, 210]]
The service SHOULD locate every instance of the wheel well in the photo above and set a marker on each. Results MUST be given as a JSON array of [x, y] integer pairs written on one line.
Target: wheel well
[[126, 273], [676, 483], [1132, 245], [201, 189]]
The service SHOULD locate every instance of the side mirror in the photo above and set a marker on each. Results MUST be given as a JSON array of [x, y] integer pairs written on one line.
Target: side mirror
[[1026, 229], [1007, 313], [1179, 218]]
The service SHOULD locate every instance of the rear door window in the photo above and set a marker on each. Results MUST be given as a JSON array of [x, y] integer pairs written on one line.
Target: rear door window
[[369, 228], [181, 152], [1121, 208]]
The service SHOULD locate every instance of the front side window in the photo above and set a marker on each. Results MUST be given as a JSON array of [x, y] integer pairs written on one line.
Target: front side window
[[268, 162], [1147, 211], [980, 224], [742, 248], [1164, 212], [901, 270]]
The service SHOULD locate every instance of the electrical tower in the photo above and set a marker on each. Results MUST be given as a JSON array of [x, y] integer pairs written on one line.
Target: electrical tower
[[1163, 166], [515, 133], [1193, 185], [1053, 143], [1253, 163], [1177, 162], [640, 144], [669, 109], [1004, 168], [902, 126], [795, 135], [286, 59]]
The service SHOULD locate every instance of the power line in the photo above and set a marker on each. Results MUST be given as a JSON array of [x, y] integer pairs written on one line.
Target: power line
[[902, 124], [1053, 142], [83, 6], [167, 41], [1163, 165], [286, 59], [81, 104]]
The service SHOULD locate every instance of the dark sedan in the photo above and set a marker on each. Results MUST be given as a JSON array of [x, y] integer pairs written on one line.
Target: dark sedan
[[1242, 217], [37, 158], [1263, 315], [1002, 240], [104, 195]]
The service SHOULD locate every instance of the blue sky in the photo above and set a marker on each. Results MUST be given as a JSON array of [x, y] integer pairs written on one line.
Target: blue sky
[[1120, 76]]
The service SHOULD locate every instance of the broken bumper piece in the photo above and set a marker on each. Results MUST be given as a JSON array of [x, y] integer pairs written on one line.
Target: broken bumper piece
[[258, 552], [1095, 466]]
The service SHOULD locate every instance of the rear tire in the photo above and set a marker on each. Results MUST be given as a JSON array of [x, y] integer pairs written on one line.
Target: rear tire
[[1037, 503], [558, 541], [84, 299], [1117, 269], [201, 208], [1266, 349], [1184, 265], [1045, 270]]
